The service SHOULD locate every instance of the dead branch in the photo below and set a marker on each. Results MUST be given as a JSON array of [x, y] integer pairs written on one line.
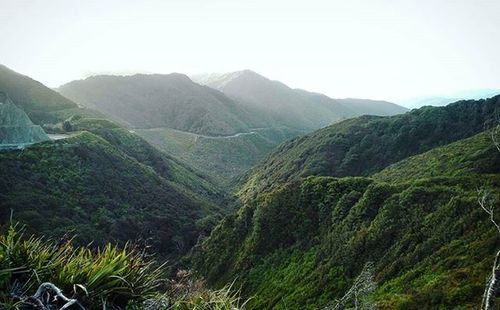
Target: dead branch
[[48, 294], [358, 293]]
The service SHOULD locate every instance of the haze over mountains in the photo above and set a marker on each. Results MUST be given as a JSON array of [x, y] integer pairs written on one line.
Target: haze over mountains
[[442, 100], [209, 121], [243, 100], [153, 101], [292, 107]]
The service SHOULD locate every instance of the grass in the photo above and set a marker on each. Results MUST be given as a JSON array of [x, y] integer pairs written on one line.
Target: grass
[[107, 277]]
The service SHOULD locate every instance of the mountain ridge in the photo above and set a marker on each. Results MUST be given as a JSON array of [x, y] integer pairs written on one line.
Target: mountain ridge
[[360, 146]]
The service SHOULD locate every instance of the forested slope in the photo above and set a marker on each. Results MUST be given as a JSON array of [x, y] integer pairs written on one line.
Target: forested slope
[[301, 245], [108, 185], [367, 144]]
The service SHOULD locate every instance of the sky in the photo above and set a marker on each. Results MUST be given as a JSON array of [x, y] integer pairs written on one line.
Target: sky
[[378, 49]]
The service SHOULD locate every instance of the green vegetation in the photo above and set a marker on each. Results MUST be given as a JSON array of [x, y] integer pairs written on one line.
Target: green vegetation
[[471, 156], [107, 186], [152, 101], [107, 277], [398, 194], [368, 144], [34, 98], [300, 245], [44, 106], [222, 158]]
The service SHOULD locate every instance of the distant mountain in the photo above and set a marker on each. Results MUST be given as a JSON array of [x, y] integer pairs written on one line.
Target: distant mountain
[[477, 94], [15, 126], [156, 101], [42, 104], [292, 107], [168, 109], [174, 101], [363, 145]]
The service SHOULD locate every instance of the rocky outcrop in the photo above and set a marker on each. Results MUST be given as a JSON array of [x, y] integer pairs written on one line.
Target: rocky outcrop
[[16, 128]]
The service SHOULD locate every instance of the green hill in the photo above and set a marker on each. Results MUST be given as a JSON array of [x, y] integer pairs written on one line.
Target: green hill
[[301, 245], [367, 144], [43, 106], [152, 101], [101, 182], [202, 125], [471, 156], [222, 158], [106, 186]]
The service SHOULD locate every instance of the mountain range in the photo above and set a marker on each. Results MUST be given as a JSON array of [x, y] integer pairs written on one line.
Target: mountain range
[[287, 216], [100, 182], [203, 125], [363, 145], [289, 107]]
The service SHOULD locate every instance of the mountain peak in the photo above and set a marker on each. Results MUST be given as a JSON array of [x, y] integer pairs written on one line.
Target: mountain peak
[[220, 80]]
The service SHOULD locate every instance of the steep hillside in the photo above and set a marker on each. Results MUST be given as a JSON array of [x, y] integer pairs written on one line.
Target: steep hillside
[[301, 245], [15, 126], [42, 104], [367, 144], [292, 107], [474, 155], [108, 185], [100, 182], [152, 101]]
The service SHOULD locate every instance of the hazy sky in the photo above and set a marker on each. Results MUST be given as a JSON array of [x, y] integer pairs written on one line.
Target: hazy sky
[[371, 49]]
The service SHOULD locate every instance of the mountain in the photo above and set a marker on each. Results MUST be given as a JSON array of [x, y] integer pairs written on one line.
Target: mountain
[[302, 244], [471, 156], [220, 133], [158, 101], [42, 105], [15, 126], [292, 107], [102, 183], [367, 144], [107, 185]]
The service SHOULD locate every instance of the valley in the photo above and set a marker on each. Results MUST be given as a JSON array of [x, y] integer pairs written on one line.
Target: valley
[[249, 155], [172, 112], [235, 184]]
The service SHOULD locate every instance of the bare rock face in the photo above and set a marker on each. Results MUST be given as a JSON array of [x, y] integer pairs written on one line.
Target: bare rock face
[[16, 128]]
